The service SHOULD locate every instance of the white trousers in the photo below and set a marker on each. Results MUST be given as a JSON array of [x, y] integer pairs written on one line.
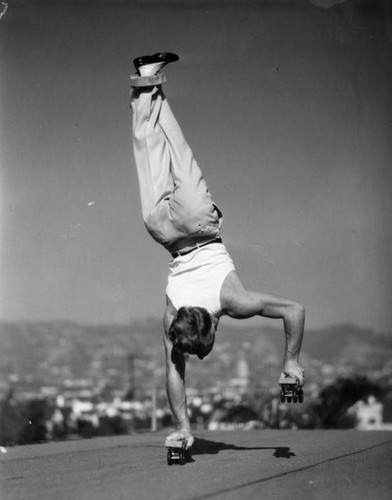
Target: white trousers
[[177, 207]]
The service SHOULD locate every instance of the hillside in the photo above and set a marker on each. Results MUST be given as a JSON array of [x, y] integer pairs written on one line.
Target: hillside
[[53, 351]]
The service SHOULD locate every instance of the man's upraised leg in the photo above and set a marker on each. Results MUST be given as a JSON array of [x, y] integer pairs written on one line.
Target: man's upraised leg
[[177, 207], [149, 143]]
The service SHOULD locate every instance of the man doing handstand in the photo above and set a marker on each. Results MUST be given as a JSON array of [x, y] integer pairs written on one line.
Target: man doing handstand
[[180, 214]]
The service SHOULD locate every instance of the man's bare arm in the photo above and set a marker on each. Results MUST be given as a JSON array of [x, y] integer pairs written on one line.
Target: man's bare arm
[[175, 385], [237, 302]]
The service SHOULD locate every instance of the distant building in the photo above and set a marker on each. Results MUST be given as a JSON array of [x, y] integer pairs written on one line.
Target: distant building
[[370, 415], [240, 383]]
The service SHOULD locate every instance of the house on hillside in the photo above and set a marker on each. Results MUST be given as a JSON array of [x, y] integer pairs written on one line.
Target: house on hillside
[[370, 415]]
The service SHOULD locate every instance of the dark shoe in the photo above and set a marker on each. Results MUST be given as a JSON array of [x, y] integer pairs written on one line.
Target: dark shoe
[[160, 59]]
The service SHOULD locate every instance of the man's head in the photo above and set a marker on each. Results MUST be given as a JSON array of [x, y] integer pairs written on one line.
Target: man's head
[[193, 331]]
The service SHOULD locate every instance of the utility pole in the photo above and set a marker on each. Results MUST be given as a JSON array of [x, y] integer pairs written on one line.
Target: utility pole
[[154, 427], [131, 377]]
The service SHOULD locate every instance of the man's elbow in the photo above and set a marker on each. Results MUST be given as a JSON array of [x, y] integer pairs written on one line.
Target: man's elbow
[[296, 312]]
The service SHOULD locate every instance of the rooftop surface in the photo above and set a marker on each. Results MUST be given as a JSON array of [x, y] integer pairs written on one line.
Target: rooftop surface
[[224, 465]]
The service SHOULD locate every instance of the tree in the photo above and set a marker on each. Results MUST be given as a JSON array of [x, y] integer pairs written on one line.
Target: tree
[[35, 430], [335, 399], [11, 419]]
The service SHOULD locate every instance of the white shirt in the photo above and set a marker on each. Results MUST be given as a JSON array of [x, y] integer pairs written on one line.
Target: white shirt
[[196, 279]]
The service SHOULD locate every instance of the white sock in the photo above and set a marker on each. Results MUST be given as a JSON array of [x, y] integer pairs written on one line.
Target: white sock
[[150, 69]]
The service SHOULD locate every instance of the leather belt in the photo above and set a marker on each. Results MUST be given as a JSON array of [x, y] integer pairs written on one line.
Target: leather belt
[[198, 245]]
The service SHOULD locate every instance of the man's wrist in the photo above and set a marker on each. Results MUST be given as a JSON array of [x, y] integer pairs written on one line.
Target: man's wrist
[[184, 427], [291, 357]]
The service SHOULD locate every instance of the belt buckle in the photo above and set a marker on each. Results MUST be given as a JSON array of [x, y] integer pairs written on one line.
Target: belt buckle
[[179, 253]]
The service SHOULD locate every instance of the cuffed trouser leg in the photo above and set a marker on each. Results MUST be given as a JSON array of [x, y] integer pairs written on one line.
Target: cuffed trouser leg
[[146, 81], [177, 207]]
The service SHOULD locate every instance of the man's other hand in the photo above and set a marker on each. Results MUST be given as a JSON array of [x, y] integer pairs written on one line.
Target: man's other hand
[[294, 370]]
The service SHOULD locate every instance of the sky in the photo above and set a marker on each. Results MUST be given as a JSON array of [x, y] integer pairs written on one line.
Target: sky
[[287, 107]]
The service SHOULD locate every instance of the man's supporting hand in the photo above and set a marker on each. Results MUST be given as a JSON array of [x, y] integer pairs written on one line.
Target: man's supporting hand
[[182, 434]]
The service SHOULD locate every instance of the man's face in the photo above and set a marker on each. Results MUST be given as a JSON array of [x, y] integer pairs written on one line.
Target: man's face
[[195, 347], [207, 348]]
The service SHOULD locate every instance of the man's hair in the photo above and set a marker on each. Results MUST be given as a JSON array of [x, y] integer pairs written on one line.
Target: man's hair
[[192, 331]]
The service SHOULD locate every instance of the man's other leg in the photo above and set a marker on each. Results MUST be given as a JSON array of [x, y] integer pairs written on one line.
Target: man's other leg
[[191, 201]]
